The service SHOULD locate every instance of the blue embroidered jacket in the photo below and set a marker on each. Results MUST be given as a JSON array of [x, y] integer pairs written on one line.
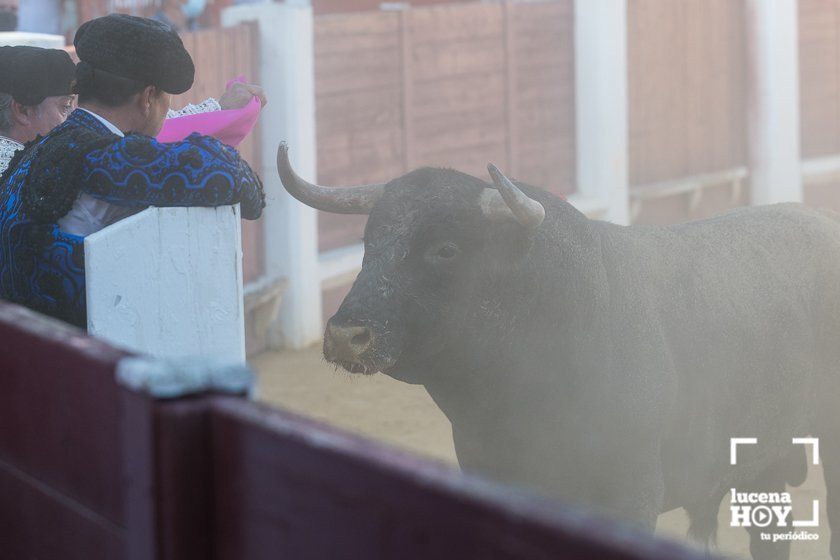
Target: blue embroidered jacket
[[42, 267]]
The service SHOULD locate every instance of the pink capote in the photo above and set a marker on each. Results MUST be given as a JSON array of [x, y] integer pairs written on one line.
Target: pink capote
[[230, 126]]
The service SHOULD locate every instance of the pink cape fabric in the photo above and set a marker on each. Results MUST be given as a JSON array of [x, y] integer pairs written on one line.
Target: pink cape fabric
[[230, 126]]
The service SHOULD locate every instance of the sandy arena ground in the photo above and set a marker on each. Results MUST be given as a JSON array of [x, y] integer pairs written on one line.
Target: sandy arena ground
[[405, 416]]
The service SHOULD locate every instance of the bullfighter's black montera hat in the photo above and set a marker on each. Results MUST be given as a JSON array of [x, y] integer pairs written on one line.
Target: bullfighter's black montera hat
[[136, 48], [31, 74]]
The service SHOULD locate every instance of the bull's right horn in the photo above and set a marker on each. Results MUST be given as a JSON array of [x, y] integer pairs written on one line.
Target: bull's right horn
[[508, 199], [339, 200]]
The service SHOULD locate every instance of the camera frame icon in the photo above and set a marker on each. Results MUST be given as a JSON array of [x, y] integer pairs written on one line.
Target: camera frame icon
[[815, 459]]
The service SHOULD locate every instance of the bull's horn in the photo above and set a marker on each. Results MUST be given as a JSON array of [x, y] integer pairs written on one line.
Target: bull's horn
[[340, 200], [507, 199]]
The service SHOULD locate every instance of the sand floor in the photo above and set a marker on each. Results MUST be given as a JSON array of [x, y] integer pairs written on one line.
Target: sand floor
[[405, 416]]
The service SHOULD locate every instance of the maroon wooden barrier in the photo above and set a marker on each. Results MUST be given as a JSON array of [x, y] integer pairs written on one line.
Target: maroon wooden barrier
[[91, 470], [288, 487], [60, 465]]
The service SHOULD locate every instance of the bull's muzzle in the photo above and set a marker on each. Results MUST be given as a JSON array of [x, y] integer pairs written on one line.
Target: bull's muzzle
[[347, 346]]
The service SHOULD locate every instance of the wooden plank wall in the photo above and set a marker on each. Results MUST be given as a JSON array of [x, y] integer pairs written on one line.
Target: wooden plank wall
[[89, 9], [545, 92], [454, 85], [687, 99], [358, 96], [220, 55], [819, 90], [343, 6]]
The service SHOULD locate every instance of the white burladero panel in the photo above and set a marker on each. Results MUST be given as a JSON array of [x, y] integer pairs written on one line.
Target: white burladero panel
[[167, 282]]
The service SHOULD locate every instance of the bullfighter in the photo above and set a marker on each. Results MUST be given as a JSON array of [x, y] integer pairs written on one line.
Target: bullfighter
[[105, 152]]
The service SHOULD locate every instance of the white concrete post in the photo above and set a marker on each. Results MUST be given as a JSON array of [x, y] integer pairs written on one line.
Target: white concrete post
[[773, 101], [601, 105], [291, 229], [40, 16], [167, 282]]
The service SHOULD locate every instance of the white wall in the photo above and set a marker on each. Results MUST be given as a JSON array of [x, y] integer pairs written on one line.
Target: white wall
[[291, 228], [773, 102], [602, 108]]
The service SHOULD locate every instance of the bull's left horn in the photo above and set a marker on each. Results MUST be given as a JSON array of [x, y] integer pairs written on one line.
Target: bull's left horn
[[507, 198], [339, 200]]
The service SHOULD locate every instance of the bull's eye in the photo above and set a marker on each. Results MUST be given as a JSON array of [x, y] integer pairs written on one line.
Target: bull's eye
[[443, 252]]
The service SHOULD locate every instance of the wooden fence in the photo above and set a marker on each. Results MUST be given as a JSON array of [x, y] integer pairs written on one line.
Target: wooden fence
[[92, 468], [452, 85], [819, 94], [819, 51], [88, 9], [687, 100], [687, 86], [171, 9], [221, 55]]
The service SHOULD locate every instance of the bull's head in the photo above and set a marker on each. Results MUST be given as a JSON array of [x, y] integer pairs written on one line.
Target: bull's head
[[432, 237]]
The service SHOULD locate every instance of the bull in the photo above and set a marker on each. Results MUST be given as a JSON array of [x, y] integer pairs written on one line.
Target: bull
[[600, 364]]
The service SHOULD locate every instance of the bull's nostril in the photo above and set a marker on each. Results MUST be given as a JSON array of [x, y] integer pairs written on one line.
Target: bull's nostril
[[361, 339], [347, 343]]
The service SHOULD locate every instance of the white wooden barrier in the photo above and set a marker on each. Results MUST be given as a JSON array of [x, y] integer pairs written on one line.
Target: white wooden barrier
[[167, 282], [43, 40]]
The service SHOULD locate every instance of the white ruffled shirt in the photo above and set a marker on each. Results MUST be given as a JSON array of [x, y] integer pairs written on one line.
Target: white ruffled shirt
[[8, 148], [90, 214]]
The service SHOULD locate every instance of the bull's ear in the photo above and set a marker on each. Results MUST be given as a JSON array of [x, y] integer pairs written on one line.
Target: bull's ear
[[506, 201]]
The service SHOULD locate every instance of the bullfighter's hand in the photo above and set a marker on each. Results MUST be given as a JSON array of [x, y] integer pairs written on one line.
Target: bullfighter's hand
[[239, 95]]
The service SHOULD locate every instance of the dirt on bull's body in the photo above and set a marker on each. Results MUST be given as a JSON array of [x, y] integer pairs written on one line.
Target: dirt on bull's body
[[405, 416]]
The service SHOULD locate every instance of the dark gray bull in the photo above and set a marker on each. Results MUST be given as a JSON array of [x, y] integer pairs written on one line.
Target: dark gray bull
[[601, 364]]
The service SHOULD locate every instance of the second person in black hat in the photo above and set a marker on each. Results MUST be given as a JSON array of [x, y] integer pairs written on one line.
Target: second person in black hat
[[105, 152], [35, 95]]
